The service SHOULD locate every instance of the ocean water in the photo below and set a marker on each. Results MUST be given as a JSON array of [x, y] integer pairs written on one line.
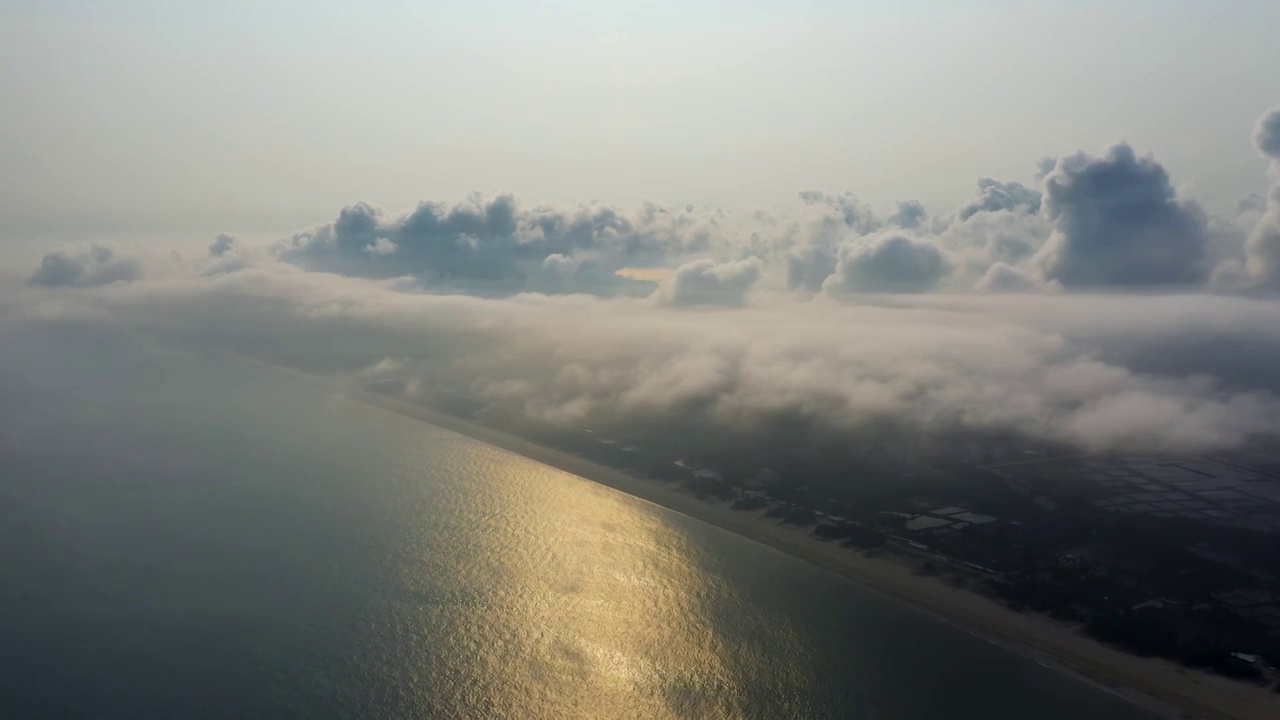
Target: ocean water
[[186, 537]]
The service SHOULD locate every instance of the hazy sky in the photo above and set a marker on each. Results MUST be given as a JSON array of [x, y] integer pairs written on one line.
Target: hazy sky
[[149, 117]]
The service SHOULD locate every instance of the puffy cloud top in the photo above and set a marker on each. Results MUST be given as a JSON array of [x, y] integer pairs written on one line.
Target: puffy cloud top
[[1266, 136], [887, 263], [95, 265], [1262, 250], [1003, 277], [1104, 220], [850, 209], [909, 215], [706, 282], [221, 245], [493, 243], [994, 195], [1119, 222]]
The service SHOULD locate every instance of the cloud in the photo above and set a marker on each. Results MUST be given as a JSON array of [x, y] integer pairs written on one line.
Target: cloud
[[1118, 222], [562, 274], [1002, 277], [494, 246], [1100, 373], [221, 245], [1252, 203], [990, 237], [809, 265], [887, 263], [95, 265], [909, 215], [1263, 248], [946, 329], [849, 209], [995, 195], [705, 282], [1266, 134]]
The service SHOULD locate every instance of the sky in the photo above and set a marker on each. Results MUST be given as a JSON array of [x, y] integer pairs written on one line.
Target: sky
[[1059, 225], [141, 118]]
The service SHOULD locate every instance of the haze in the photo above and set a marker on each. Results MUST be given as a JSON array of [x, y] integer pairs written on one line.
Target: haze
[[182, 118]]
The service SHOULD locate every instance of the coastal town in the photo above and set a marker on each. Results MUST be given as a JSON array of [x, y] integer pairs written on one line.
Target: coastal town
[[1162, 556]]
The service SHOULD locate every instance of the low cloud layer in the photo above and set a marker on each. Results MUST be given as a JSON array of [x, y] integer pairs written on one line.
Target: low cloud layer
[[1100, 373], [1015, 314]]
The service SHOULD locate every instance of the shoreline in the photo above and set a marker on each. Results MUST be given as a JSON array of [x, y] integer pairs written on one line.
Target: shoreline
[[1159, 687]]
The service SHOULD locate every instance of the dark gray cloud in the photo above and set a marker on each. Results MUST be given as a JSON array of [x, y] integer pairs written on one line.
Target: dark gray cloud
[[493, 246], [95, 265], [849, 209], [221, 245], [910, 214], [1266, 134], [1254, 202], [706, 282], [887, 263], [995, 195], [1262, 251], [1118, 222]]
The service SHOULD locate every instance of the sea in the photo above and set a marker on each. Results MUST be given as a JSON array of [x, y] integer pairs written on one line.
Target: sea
[[186, 537]]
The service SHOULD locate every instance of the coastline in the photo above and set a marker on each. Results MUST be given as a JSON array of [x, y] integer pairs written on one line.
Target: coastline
[[1160, 687]]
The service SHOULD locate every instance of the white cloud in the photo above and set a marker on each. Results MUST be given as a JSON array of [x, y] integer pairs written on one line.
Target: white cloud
[[706, 282], [887, 263]]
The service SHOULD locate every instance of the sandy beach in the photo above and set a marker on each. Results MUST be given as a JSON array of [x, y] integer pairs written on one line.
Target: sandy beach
[[1162, 687]]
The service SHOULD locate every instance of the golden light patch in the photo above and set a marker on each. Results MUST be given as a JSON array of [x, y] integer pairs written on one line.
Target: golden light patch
[[651, 274]]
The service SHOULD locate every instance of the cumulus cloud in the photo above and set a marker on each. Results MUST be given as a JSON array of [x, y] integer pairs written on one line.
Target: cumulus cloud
[[706, 282], [95, 265], [995, 195], [494, 246], [990, 237], [887, 263], [221, 245], [910, 214], [809, 265], [1266, 134], [1263, 248], [1003, 277], [850, 210], [1106, 220], [1118, 222]]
